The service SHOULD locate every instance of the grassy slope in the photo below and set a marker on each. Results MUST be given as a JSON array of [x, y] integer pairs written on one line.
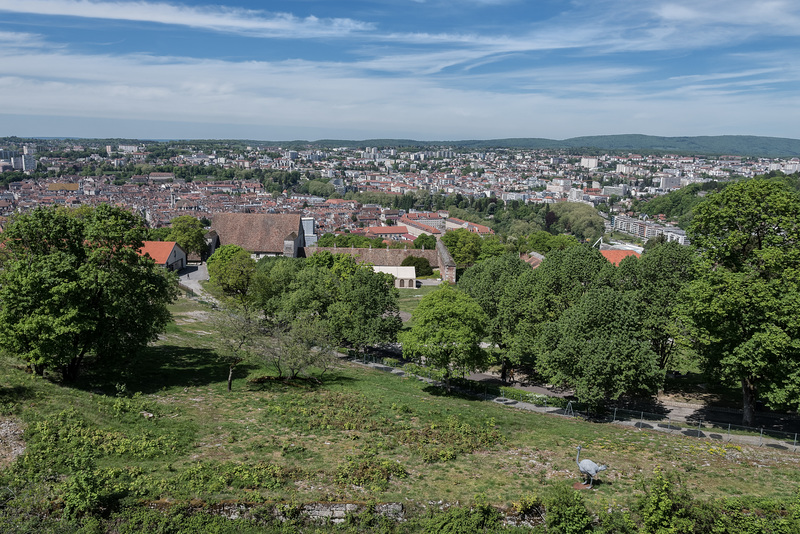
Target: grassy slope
[[309, 432]]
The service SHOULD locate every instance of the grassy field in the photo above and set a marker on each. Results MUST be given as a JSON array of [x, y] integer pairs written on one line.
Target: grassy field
[[409, 298], [358, 435]]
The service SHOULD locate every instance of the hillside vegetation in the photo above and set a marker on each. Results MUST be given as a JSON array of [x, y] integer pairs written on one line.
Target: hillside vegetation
[[739, 145], [166, 432]]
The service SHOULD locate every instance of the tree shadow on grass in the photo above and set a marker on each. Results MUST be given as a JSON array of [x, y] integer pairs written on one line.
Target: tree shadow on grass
[[159, 367], [272, 383], [441, 391], [14, 394], [774, 421]]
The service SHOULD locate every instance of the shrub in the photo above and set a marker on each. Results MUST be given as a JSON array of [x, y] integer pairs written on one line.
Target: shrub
[[422, 265], [460, 520], [665, 506], [369, 471], [566, 512], [82, 488], [530, 505]]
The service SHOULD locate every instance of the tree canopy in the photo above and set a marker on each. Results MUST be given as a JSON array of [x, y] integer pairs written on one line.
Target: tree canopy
[[741, 311], [231, 269], [189, 233], [658, 279], [73, 285], [599, 348], [426, 241], [486, 282], [580, 220], [577, 325], [356, 304], [463, 245], [422, 265], [446, 331]]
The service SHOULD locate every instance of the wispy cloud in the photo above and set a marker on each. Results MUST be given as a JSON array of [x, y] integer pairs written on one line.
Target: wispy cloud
[[597, 66], [765, 15], [22, 40], [216, 18], [291, 96]]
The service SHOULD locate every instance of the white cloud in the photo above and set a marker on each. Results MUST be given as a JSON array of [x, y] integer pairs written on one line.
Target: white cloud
[[217, 18], [308, 97], [434, 85], [21, 40]]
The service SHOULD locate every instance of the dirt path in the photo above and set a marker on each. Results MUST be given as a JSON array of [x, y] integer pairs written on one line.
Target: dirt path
[[191, 276]]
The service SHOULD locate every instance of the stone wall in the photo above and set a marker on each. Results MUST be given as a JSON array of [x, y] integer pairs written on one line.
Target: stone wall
[[395, 256], [378, 256], [323, 512], [447, 267]]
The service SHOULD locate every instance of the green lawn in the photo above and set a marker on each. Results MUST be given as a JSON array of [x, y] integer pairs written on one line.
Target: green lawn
[[409, 298]]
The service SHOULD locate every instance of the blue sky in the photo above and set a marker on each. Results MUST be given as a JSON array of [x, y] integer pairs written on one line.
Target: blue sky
[[418, 69]]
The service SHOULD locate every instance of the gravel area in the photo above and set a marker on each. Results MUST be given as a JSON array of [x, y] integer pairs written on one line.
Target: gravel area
[[11, 444]]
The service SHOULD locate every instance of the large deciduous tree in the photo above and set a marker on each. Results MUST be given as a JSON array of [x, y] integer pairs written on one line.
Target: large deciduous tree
[[73, 285], [421, 265], [598, 347], [232, 269], [742, 310], [486, 282], [463, 245], [425, 241], [189, 233], [543, 294], [366, 312], [446, 332], [357, 305], [658, 279]]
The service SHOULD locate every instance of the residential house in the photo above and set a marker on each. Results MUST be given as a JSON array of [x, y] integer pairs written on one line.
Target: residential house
[[168, 254]]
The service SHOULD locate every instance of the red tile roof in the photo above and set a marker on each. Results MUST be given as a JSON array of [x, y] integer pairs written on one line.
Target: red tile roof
[[257, 232], [158, 250], [387, 230], [616, 256]]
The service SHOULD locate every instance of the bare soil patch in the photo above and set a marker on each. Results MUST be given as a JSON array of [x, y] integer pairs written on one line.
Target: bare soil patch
[[11, 443]]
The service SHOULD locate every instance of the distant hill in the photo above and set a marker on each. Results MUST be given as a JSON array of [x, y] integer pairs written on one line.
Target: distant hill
[[719, 145], [734, 145]]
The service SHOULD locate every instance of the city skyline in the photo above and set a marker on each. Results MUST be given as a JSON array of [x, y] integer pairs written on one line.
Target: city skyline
[[426, 69]]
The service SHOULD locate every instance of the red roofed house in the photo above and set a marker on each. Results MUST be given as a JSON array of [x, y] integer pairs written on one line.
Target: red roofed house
[[615, 256], [168, 254], [395, 233]]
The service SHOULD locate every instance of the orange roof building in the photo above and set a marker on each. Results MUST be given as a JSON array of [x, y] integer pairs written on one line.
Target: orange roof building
[[168, 254], [616, 255]]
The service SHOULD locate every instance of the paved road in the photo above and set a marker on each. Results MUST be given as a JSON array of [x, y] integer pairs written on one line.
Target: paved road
[[192, 275]]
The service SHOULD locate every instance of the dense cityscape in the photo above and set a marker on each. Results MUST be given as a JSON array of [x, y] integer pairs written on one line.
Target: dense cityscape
[[423, 266], [319, 184]]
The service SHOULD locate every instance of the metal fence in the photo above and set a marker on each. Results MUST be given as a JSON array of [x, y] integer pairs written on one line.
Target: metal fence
[[704, 429], [186, 289]]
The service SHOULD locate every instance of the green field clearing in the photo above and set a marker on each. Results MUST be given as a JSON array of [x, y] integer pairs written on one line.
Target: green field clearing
[[409, 298]]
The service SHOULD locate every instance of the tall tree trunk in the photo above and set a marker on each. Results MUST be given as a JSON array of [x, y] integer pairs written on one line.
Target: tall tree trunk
[[70, 370], [749, 393], [230, 377]]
